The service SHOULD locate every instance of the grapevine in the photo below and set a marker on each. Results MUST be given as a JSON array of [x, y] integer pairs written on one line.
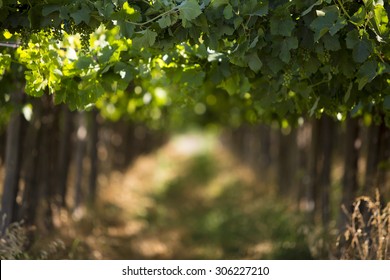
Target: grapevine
[[287, 77], [328, 41], [84, 30], [324, 56], [306, 56]]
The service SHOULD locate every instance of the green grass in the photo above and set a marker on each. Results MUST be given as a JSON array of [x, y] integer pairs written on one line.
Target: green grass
[[227, 225]]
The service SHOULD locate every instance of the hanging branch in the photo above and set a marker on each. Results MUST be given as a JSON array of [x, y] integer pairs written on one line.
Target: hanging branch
[[9, 45]]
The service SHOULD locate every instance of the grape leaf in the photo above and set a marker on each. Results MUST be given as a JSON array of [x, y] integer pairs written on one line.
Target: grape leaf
[[361, 51], [147, 39], [381, 20], [83, 14], [254, 62], [105, 54], [228, 12], [164, 21], [127, 29], [131, 13], [328, 20], [48, 9], [287, 45], [5, 62], [386, 103], [124, 71], [262, 9], [189, 10], [308, 10], [218, 3], [192, 77], [352, 39], [84, 62], [282, 25], [367, 72], [331, 43], [359, 17]]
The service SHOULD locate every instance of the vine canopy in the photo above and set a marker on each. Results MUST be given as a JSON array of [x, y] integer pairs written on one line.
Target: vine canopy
[[275, 59]]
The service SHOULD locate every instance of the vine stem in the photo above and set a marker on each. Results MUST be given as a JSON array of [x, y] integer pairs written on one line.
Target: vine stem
[[319, 83], [344, 10], [9, 45], [155, 18]]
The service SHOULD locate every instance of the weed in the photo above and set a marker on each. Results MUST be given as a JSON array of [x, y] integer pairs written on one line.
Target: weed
[[13, 242], [367, 234]]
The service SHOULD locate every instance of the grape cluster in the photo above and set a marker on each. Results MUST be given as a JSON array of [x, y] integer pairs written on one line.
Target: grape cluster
[[56, 33], [306, 55], [25, 34], [324, 57], [51, 33], [287, 77], [84, 30]]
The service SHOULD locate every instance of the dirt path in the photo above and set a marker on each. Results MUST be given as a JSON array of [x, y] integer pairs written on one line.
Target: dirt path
[[188, 200]]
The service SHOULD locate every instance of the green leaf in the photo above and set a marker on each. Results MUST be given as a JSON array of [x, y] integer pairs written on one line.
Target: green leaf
[[308, 10], [192, 77], [236, 84], [287, 45], [84, 62], [254, 42], [328, 20], [362, 51], [105, 54], [228, 12], [311, 67], [346, 65], [275, 64], [68, 94], [131, 13], [5, 62], [165, 21], [105, 9], [359, 17], [386, 103], [124, 71], [254, 62], [127, 29], [282, 25], [381, 20], [83, 14], [189, 10], [247, 7], [367, 72], [89, 92], [237, 21], [35, 83], [331, 43], [147, 39], [261, 9], [352, 39], [218, 3], [48, 9]]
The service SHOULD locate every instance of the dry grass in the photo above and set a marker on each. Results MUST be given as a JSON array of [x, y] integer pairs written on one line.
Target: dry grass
[[367, 235], [13, 242]]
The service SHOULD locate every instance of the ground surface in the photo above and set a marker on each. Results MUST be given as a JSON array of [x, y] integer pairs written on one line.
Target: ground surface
[[190, 199]]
